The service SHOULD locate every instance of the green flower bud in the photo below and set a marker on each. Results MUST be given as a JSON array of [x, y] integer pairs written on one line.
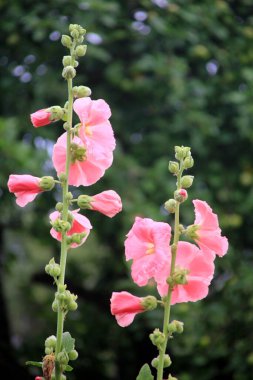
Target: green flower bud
[[173, 167], [180, 276], [59, 206], [167, 361], [172, 378], [67, 60], [192, 231], [176, 327], [55, 271], [84, 201], [81, 91], [50, 341], [180, 195], [77, 238], [81, 50], [149, 303], [157, 338], [73, 355], [47, 183], [62, 288], [60, 225], [68, 72], [188, 162], [66, 41], [155, 362], [72, 306], [49, 350], [69, 196], [62, 177], [76, 63], [62, 357], [186, 181], [55, 306], [182, 152], [74, 34], [78, 153], [170, 205]]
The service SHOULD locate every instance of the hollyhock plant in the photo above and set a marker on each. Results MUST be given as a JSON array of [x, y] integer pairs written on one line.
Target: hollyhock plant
[[147, 244], [80, 225], [80, 156], [87, 165], [182, 271], [40, 118], [26, 187], [95, 129], [206, 231], [198, 270]]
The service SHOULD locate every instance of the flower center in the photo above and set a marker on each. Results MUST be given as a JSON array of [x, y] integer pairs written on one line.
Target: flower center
[[88, 130], [150, 249]]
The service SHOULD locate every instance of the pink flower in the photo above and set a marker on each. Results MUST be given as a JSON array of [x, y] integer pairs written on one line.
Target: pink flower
[[25, 187], [125, 306], [41, 118], [208, 233], [108, 203], [80, 225], [199, 268], [87, 165], [147, 244], [96, 131]]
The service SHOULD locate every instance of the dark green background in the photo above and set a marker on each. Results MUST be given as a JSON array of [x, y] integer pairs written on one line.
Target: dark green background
[[181, 73]]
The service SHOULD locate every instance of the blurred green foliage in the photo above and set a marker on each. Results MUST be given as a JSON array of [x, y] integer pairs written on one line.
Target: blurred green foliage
[[174, 73]]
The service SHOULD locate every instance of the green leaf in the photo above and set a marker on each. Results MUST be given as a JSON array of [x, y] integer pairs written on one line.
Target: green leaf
[[68, 368], [68, 343], [35, 364], [145, 373]]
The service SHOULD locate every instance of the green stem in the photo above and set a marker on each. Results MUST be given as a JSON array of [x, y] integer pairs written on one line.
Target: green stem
[[167, 304], [64, 246]]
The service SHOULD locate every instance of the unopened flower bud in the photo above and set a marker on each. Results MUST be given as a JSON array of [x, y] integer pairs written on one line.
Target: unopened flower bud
[[173, 167], [55, 306], [67, 60], [50, 341], [176, 327], [81, 50], [69, 72], [66, 41], [155, 362], [167, 361], [170, 205], [180, 195], [48, 350], [62, 177], [73, 355], [76, 63], [191, 231], [84, 201], [188, 162], [47, 183], [157, 338], [186, 181], [149, 303], [74, 34], [182, 152], [62, 357], [59, 206], [72, 306], [172, 378], [179, 276], [81, 91]]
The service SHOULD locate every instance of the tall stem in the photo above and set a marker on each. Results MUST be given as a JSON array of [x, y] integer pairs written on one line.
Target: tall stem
[[64, 246], [167, 304]]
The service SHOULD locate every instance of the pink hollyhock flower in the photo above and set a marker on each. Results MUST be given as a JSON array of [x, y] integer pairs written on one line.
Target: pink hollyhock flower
[[95, 131], [207, 232], [108, 203], [199, 273], [80, 225], [25, 187], [147, 244], [41, 118], [125, 306], [87, 165]]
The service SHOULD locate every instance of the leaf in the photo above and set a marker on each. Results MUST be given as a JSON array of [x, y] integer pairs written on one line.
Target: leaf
[[35, 364], [68, 368], [145, 373], [68, 343]]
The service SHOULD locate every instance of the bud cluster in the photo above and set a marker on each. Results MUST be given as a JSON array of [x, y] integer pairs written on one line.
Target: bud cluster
[[157, 338], [179, 277], [65, 300], [175, 327], [53, 269]]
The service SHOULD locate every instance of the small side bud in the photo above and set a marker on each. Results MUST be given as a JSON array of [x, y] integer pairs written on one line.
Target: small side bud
[[155, 362], [167, 361], [59, 206], [48, 350], [180, 195], [173, 167], [68, 72], [66, 41], [81, 91], [188, 162], [182, 152], [186, 181], [55, 306], [81, 50], [72, 306], [62, 357], [50, 341], [67, 60], [73, 355], [170, 205], [47, 183], [157, 338], [172, 377]]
